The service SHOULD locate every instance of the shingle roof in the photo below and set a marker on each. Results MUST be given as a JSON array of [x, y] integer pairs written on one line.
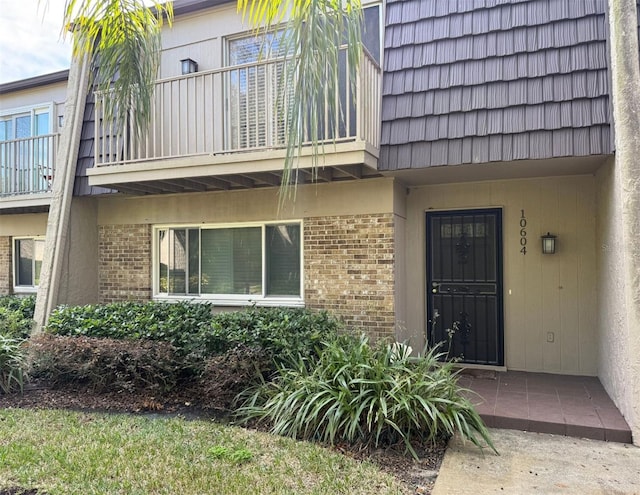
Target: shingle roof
[[471, 81]]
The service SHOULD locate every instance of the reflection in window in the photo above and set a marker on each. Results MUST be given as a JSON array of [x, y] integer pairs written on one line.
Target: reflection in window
[[232, 261], [283, 259], [229, 261], [28, 261]]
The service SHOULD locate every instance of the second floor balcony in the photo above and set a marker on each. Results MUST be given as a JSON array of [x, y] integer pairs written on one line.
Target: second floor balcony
[[27, 168], [232, 122]]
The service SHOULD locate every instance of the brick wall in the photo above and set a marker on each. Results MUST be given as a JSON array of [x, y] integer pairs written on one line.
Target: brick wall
[[6, 270], [349, 270], [125, 262]]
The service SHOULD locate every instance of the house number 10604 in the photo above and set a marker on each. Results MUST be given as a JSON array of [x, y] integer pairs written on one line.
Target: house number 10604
[[523, 233]]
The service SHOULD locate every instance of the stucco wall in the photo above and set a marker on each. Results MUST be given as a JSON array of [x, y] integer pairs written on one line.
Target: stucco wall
[[207, 31], [622, 197], [542, 293], [31, 224], [79, 283], [314, 200], [614, 359]]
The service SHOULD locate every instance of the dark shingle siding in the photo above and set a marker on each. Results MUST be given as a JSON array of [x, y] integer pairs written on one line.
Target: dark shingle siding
[[469, 81], [81, 186]]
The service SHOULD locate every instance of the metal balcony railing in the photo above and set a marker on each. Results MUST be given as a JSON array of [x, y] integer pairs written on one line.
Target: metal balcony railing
[[236, 109], [27, 165]]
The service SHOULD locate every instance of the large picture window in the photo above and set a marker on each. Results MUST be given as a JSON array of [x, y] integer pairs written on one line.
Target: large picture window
[[27, 263], [239, 263]]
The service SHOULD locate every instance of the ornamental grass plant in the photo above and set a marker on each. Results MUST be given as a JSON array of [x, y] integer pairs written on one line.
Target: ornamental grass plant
[[356, 392], [12, 364]]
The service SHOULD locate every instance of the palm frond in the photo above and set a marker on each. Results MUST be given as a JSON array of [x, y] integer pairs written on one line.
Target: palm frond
[[316, 33], [121, 38]]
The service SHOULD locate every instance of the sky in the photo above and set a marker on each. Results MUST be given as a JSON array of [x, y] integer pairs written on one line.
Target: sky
[[30, 39]]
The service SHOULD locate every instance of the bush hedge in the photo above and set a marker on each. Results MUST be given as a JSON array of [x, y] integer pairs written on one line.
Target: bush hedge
[[279, 331], [218, 354], [16, 316], [230, 373], [195, 331], [176, 324], [103, 364]]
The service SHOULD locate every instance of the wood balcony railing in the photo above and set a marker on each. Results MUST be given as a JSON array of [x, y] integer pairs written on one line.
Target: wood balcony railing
[[236, 109], [27, 165]]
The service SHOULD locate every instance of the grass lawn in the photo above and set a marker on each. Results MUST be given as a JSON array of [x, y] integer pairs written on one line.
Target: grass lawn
[[65, 453]]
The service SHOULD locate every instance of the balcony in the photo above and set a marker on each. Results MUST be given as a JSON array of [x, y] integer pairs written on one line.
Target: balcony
[[226, 128], [27, 167]]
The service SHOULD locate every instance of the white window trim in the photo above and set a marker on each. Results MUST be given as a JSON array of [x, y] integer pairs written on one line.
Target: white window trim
[[229, 299], [21, 289], [33, 110]]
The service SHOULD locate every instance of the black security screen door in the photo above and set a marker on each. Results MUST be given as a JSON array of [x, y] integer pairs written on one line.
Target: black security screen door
[[464, 284]]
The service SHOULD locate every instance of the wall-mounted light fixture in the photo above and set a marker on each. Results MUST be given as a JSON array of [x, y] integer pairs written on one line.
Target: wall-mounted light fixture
[[189, 66], [548, 243], [60, 120]]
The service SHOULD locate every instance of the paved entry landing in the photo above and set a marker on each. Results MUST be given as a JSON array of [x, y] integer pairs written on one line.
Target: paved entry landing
[[575, 406]]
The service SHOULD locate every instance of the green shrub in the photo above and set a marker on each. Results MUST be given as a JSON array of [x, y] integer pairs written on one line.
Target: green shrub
[[354, 392], [214, 348], [193, 330], [103, 364], [279, 331], [176, 323], [16, 316], [25, 304], [12, 364]]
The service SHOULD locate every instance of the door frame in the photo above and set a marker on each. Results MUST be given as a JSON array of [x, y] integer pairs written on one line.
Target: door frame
[[498, 210]]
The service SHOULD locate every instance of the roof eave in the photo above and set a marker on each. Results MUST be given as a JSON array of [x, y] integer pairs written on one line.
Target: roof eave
[[34, 82]]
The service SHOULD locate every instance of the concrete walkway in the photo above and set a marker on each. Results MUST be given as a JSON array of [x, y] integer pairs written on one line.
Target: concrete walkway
[[538, 463]]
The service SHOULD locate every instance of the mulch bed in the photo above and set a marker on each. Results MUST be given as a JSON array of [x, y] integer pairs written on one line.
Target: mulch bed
[[418, 476]]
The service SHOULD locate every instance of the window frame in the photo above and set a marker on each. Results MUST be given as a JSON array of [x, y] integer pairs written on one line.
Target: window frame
[[23, 289], [230, 111], [262, 299], [10, 114]]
